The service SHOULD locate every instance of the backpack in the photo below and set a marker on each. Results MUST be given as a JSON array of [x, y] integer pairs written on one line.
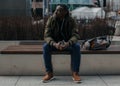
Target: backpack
[[97, 43]]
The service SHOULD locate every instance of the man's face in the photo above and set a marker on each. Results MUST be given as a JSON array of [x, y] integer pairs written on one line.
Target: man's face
[[60, 12]]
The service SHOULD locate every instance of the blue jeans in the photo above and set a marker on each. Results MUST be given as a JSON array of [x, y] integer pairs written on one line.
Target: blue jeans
[[75, 56]]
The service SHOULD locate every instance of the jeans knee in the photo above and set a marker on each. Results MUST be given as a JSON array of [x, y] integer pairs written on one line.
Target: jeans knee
[[76, 46], [46, 47]]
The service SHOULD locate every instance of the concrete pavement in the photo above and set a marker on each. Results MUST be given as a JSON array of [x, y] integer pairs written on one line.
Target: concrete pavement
[[106, 80]]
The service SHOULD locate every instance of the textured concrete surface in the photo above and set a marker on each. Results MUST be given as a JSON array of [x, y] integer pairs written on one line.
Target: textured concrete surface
[[111, 80], [34, 64]]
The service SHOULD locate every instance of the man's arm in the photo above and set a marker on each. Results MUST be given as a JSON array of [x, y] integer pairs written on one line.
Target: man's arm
[[75, 35], [47, 33]]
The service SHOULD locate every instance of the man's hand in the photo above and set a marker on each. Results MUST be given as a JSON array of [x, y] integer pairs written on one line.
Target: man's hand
[[61, 46], [65, 45], [57, 45]]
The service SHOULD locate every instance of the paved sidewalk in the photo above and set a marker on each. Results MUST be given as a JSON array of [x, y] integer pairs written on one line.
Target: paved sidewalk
[[60, 81]]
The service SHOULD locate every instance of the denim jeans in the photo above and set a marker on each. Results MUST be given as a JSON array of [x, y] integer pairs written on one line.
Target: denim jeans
[[75, 56]]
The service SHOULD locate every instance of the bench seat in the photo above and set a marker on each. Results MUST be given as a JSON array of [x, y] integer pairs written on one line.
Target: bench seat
[[37, 49]]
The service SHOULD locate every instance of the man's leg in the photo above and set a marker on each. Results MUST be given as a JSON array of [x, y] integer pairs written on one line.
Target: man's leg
[[75, 61], [47, 57], [75, 57], [48, 64]]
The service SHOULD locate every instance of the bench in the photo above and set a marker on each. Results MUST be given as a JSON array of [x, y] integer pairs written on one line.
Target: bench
[[26, 59], [37, 49]]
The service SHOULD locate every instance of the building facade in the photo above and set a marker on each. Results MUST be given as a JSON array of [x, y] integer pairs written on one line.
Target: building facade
[[37, 8], [72, 4], [15, 7], [114, 5]]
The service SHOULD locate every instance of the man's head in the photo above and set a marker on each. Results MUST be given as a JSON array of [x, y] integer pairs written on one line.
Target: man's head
[[61, 11]]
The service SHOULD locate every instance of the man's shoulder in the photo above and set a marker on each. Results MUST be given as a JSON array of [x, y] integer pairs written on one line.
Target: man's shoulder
[[51, 18], [71, 19]]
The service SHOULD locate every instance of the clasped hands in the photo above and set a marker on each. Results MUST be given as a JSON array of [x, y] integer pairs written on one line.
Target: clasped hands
[[61, 45]]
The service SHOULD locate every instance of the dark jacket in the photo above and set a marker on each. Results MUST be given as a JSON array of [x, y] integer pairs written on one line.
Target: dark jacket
[[54, 32]]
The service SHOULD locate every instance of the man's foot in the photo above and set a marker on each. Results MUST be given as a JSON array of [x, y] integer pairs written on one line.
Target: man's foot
[[48, 77], [76, 77]]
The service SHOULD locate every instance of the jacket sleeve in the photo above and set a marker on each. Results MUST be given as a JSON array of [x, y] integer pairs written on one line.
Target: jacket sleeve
[[75, 35], [47, 34]]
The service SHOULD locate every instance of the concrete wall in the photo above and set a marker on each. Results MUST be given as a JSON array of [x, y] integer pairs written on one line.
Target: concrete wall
[[15, 7], [33, 64]]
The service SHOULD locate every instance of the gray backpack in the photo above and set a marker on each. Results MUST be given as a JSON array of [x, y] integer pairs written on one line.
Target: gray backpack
[[97, 43]]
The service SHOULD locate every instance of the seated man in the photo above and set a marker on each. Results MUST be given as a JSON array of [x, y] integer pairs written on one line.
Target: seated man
[[61, 34]]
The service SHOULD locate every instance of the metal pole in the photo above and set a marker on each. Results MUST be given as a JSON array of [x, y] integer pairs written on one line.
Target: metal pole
[[101, 8], [43, 8]]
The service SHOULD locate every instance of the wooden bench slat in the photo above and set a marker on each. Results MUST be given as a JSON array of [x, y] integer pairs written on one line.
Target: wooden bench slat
[[37, 49]]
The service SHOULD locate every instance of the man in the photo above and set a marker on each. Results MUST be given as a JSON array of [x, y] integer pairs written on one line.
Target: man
[[61, 34]]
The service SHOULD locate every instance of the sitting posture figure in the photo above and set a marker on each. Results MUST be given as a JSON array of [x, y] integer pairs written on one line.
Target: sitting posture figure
[[61, 34]]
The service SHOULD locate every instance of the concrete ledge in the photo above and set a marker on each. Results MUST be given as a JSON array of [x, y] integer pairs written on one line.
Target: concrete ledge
[[32, 64]]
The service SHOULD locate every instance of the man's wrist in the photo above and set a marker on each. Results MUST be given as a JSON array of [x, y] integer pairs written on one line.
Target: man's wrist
[[68, 44], [54, 44]]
